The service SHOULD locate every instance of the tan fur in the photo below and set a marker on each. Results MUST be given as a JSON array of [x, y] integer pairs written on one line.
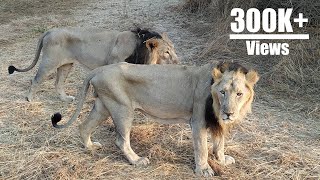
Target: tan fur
[[92, 48], [231, 83], [162, 50], [168, 94]]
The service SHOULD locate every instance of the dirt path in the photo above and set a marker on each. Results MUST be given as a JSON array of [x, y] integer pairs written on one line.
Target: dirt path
[[271, 144]]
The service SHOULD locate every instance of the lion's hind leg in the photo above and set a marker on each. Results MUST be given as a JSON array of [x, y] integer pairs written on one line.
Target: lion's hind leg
[[46, 68], [97, 115], [62, 73], [122, 117]]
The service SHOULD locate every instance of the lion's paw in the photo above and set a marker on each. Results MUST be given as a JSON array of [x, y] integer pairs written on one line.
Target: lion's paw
[[143, 161], [95, 146], [205, 172], [229, 160]]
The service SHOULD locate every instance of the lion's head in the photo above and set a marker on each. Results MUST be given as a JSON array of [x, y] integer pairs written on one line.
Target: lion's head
[[152, 48], [232, 92], [161, 51]]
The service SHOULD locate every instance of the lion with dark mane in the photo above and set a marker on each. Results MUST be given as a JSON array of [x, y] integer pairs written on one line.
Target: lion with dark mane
[[209, 96], [94, 48]]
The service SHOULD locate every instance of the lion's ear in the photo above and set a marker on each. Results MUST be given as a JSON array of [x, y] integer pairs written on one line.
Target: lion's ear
[[216, 74], [252, 77], [164, 35], [152, 43]]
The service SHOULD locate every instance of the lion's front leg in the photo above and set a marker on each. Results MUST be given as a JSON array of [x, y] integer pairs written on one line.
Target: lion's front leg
[[218, 150], [199, 133]]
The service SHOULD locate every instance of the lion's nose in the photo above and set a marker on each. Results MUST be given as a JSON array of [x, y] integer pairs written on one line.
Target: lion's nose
[[228, 113]]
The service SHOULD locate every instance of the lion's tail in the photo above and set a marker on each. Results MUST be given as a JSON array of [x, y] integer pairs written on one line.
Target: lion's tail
[[57, 116], [11, 68]]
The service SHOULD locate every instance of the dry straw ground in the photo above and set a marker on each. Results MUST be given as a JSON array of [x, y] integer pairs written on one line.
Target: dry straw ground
[[280, 140]]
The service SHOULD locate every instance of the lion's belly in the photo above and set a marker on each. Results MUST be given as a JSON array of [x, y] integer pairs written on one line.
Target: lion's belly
[[92, 54], [168, 118], [171, 109], [166, 112]]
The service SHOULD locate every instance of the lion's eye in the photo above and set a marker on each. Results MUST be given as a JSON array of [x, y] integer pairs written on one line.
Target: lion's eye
[[222, 92], [167, 52], [239, 94]]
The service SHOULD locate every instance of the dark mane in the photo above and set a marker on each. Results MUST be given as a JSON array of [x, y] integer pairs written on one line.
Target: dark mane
[[231, 66], [210, 117], [141, 53]]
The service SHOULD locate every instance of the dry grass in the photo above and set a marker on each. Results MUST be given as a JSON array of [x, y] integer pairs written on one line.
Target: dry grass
[[222, 8], [295, 78], [276, 142], [288, 83]]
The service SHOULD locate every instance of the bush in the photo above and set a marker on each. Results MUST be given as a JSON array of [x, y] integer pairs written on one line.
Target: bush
[[310, 8], [295, 77]]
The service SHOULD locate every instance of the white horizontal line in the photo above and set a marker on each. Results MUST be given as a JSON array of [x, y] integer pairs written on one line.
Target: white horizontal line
[[269, 36]]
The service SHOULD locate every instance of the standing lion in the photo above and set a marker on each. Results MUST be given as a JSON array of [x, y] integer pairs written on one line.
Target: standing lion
[[209, 96], [94, 48]]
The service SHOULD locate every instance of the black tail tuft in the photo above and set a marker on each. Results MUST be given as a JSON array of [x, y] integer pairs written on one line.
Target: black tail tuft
[[11, 69], [55, 119]]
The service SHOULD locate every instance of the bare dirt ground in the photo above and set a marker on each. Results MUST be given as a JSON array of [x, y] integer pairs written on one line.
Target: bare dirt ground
[[272, 143]]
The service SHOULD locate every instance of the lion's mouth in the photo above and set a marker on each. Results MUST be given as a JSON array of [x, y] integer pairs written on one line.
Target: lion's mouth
[[226, 118]]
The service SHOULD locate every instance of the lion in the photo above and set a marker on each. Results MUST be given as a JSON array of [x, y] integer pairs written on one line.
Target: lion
[[94, 48], [208, 97]]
